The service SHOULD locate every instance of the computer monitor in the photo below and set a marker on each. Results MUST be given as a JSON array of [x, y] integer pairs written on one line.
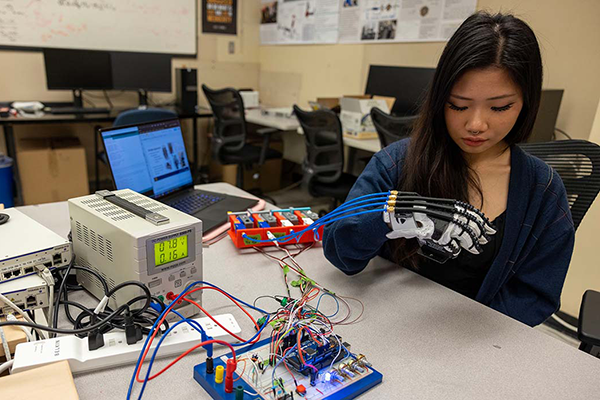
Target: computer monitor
[[545, 122], [143, 72], [77, 70], [407, 85]]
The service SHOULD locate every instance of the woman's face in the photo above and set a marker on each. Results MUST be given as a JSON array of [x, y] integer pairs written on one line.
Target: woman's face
[[483, 106]]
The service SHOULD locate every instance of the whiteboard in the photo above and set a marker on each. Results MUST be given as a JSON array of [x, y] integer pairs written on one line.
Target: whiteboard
[[151, 26]]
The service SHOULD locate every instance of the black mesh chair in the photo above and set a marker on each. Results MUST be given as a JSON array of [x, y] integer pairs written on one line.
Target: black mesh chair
[[578, 164], [389, 128], [324, 163], [229, 139]]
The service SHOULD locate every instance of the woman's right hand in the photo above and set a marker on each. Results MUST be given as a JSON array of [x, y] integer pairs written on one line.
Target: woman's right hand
[[444, 224]]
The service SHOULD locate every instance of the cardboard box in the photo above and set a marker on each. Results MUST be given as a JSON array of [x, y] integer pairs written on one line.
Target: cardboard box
[[14, 335], [50, 382], [355, 115], [52, 170], [269, 179], [328, 102]]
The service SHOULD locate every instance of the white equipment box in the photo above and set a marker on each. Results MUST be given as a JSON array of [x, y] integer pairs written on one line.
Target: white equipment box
[[26, 244], [125, 236], [28, 293], [250, 98]]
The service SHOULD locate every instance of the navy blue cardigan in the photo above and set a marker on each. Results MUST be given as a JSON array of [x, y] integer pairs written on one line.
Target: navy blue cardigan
[[526, 278]]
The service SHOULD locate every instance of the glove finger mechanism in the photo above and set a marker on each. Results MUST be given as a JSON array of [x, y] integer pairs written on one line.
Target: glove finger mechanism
[[442, 226]]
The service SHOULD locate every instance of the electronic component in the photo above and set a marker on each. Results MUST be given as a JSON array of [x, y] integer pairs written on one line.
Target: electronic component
[[290, 216], [27, 293], [308, 217], [317, 355], [261, 222], [344, 380], [117, 351], [27, 246], [276, 223], [282, 220], [124, 236], [246, 220]]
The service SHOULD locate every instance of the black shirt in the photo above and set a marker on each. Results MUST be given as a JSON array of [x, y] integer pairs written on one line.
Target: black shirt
[[466, 273]]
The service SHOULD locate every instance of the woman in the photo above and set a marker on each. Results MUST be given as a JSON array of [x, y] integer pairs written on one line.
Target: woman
[[483, 100]]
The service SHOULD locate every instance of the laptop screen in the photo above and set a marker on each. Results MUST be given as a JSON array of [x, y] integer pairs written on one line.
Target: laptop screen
[[148, 158]]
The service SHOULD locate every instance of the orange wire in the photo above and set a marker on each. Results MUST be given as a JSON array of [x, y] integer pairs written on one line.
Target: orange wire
[[243, 370]]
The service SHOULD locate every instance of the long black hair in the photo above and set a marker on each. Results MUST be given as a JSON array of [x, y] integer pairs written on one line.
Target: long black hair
[[434, 165]]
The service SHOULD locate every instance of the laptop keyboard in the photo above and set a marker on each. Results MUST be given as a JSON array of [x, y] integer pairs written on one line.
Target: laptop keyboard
[[195, 202]]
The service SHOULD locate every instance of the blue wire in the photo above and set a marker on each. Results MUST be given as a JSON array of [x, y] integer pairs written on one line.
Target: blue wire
[[151, 363], [336, 302], [277, 365], [183, 293], [337, 211], [196, 324], [291, 236], [156, 350]]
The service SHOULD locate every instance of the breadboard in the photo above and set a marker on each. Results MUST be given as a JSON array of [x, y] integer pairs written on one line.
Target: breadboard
[[332, 390]]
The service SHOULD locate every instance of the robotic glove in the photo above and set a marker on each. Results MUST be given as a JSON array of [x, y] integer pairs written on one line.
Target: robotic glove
[[442, 226]]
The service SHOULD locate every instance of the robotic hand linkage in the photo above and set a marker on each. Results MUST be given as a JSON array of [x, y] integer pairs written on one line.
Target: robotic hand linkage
[[442, 226]]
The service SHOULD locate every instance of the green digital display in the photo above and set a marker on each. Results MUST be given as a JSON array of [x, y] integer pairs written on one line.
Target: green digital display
[[170, 250]]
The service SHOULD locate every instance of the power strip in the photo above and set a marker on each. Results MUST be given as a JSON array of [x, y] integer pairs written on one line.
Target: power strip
[[115, 351]]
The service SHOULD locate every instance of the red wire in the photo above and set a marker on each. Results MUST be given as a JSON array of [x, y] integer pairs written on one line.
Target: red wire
[[217, 322], [139, 368], [188, 352], [230, 298]]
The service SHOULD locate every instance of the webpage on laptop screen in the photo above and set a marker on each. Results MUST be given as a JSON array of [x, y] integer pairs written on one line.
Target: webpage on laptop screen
[[149, 159]]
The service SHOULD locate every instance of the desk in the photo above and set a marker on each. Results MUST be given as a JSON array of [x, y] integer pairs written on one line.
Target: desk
[[428, 341], [371, 145], [255, 116], [9, 123]]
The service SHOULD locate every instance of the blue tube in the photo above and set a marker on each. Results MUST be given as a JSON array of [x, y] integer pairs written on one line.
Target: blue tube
[[291, 236], [337, 211]]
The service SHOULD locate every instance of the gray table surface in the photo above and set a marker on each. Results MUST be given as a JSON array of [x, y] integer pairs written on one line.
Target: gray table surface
[[428, 341]]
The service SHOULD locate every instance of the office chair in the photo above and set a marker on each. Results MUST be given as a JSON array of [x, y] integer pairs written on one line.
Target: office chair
[[228, 143], [578, 164], [390, 128], [131, 117], [324, 162]]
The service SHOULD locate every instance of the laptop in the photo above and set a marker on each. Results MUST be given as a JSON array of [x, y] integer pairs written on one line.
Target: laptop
[[150, 158]]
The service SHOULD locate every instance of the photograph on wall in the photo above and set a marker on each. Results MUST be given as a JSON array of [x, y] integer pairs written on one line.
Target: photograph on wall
[[386, 30], [219, 16], [369, 31], [268, 22]]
